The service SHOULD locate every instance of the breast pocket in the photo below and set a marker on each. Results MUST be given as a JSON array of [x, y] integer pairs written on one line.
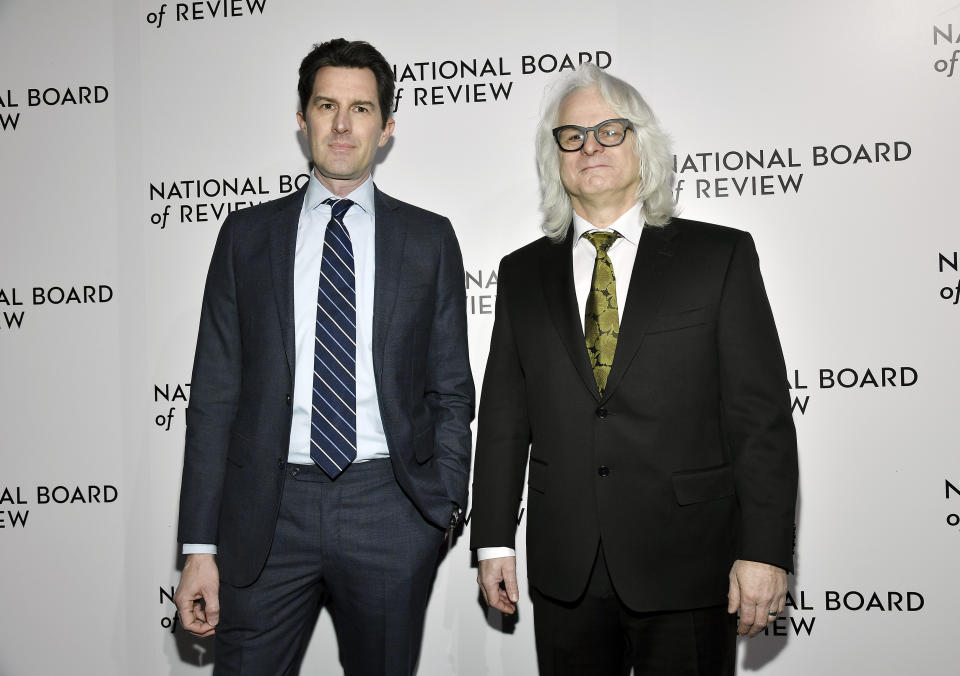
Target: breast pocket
[[674, 321], [416, 292]]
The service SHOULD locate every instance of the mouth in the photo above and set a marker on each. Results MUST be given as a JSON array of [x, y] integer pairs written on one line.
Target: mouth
[[340, 147], [593, 167]]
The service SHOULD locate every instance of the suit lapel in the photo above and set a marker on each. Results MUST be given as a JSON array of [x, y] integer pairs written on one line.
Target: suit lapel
[[556, 268], [389, 238], [654, 255], [283, 244]]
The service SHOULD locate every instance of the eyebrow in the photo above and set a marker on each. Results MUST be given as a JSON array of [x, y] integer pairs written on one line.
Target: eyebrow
[[321, 97]]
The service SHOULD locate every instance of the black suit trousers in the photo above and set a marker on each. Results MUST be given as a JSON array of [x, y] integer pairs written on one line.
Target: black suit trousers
[[598, 635]]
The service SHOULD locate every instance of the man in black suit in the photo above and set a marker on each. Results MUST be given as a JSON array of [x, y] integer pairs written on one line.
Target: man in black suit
[[635, 358], [328, 439]]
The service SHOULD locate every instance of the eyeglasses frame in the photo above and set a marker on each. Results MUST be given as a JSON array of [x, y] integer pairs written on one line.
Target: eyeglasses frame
[[627, 125]]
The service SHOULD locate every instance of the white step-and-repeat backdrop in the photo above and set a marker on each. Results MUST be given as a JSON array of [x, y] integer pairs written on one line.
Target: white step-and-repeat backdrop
[[128, 130]]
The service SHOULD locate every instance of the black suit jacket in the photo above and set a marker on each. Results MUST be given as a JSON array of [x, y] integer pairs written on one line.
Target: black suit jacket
[[238, 422], [687, 462]]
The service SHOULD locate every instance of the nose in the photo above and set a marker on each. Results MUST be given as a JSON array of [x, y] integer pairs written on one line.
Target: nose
[[591, 145], [341, 121]]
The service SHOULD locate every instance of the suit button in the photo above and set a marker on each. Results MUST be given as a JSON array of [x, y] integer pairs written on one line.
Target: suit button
[[601, 413], [280, 463], [288, 400], [603, 471]]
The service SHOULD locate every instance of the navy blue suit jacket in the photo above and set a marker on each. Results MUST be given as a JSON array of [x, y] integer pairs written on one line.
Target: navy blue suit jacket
[[238, 421]]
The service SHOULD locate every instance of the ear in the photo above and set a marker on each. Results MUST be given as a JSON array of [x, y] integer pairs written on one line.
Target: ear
[[386, 133], [302, 121]]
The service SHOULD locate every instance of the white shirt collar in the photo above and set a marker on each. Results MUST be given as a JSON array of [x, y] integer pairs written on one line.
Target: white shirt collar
[[317, 192], [629, 225]]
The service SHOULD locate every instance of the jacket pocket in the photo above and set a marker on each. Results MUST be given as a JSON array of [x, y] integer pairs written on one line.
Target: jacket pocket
[[537, 476], [240, 449], [703, 485], [414, 292], [423, 443], [679, 320]]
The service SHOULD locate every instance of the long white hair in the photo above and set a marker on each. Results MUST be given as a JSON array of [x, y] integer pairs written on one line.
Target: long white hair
[[653, 149]]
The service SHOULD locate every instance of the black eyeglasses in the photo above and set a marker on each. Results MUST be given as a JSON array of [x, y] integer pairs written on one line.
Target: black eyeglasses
[[609, 133]]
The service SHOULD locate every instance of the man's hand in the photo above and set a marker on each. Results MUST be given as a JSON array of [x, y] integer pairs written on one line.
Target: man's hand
[[200, 580], [759, 591], [490, 573]]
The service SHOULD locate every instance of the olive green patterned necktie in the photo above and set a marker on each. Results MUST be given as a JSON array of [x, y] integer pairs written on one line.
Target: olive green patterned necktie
[[601, 324]]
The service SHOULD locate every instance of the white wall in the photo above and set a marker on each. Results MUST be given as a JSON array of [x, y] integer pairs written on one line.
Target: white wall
[[851, 258]]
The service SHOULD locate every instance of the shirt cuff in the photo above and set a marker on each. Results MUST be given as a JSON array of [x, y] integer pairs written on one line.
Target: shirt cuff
[[199, 549], [484, 553]]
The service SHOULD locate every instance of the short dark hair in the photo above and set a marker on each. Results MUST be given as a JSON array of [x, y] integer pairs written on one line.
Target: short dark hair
[[347, 54]]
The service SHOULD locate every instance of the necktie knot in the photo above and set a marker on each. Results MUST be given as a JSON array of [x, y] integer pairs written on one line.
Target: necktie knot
[[602, 240], [339, 207]]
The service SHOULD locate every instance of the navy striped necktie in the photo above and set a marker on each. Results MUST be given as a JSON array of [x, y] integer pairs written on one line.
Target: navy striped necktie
[[333, 432]]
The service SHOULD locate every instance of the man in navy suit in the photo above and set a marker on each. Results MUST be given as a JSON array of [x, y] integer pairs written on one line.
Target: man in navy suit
[[328, 440]]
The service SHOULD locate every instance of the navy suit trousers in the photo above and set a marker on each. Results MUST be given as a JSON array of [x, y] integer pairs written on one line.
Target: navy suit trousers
[[357, 546]]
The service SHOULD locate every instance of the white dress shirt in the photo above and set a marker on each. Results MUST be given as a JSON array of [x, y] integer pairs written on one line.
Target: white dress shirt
[[622, 254], [360, 223]]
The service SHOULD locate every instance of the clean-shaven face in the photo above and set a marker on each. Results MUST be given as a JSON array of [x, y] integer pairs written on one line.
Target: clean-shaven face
[[597, 175], [343, 124]]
